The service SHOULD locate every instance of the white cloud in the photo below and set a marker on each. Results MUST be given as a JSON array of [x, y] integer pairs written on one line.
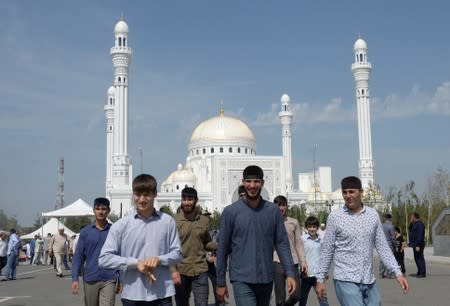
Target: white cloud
[[416, 102]]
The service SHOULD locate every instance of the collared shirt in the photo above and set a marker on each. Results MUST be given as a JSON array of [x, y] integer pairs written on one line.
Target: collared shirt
[[194, 235], [389, 232], [312, 252], [351, 237], [12, 244], [135, 238], [249, 235], [295, 241], [88, 250]]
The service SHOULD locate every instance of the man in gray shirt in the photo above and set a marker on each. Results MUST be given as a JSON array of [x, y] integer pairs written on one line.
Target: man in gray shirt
[[389, 232]]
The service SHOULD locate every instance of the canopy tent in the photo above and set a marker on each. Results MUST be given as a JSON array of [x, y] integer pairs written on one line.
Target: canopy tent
[[51, 226], [77, 208]]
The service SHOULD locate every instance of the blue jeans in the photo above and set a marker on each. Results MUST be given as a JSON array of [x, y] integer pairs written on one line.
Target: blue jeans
[[246, 294], [355, 294], [11, 266], [199, 284]]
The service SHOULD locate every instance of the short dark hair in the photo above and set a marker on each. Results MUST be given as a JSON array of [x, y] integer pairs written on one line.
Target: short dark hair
[[144, 183], [101, 201], [388, 216], [416, 215], [397, 229], [312, 221], [253, 172], [280, 200], [241, 189], [351, 182], [189, 192]]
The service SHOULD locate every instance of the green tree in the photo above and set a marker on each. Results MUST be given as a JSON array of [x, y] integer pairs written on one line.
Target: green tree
[[77, 223], [166, 209], [215, 219], [7, 223]]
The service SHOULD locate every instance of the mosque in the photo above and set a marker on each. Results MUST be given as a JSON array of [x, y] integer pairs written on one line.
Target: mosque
[[222, 146]]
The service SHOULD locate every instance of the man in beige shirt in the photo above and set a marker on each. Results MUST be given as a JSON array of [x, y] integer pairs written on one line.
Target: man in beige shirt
[[298, 256], [58, 247]]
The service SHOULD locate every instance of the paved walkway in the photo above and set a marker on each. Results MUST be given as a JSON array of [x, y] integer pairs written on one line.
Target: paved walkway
[[38, 286]]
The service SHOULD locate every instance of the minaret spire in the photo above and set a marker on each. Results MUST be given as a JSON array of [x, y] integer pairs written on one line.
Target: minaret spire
[[121, 170], [361, 71], [285, 116]]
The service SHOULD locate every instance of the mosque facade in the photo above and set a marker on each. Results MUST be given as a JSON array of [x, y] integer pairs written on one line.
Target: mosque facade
[[222, 146]]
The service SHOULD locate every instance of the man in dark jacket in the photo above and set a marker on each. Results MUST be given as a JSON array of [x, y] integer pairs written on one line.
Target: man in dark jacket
[[417, 242]]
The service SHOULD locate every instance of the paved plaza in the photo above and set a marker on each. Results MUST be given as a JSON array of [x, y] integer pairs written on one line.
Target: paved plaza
[[38, 286]]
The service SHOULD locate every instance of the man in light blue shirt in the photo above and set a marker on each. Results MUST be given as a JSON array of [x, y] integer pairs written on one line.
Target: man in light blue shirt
[[141, 246], [352, 233]]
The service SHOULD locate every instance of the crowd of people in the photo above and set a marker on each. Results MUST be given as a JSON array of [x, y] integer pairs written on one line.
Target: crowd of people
[[151, 258]]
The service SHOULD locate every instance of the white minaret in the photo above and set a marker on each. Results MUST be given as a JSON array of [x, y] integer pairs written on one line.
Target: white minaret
[[361, 71], [121, 168], [109, 113], [286, 118]]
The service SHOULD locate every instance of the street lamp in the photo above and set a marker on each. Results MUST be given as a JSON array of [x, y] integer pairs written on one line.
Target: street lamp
[[314, 174]]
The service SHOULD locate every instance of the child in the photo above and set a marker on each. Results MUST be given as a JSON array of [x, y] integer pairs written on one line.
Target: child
[[399, 251], [312, 243]]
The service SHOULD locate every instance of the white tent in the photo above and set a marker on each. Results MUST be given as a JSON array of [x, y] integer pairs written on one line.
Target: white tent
[[50, 227], [77, 208]]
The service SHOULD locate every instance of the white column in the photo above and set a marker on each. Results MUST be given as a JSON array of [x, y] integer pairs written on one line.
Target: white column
[[285, 116], [361, 71]]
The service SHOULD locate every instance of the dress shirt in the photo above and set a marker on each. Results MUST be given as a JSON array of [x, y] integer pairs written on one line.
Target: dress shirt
[[12, 242], [312, 252], [295, 241], [351, 237], [88, 250], [249, 235], [135, 238]]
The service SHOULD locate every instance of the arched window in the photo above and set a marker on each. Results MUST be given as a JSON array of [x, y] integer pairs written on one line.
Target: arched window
[[120, 79], [230, 149], [110, 101], [362, 91], [120, 41], [285, 108], [204, 151], [221, 150], [178, 187], [124, 42], [212, 150], [245, 150], [124, 80], [239, 150], [361, 57], [197, 151]]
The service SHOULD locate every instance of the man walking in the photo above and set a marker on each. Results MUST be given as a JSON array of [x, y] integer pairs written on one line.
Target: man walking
[[142, 245], [417, 243], [352, 233], [192, 272], [250, 229], [58, 249], [389, 232], [298, 255], [46, 249], [99, 284], [12, 254]]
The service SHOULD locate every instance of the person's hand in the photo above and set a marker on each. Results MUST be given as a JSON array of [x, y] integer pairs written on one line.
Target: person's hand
[[403, 283], [417, 249], [143, 268], [75, 287], [321, 291], [152, 262], [292, 285], [176, 278], [222, 293], [304, 268], [119, 287]]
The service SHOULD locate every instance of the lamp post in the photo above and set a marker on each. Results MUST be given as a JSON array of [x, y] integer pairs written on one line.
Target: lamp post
[[314, 174]]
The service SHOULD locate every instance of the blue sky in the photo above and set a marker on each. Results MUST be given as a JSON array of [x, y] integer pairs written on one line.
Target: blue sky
[[190, 55]]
